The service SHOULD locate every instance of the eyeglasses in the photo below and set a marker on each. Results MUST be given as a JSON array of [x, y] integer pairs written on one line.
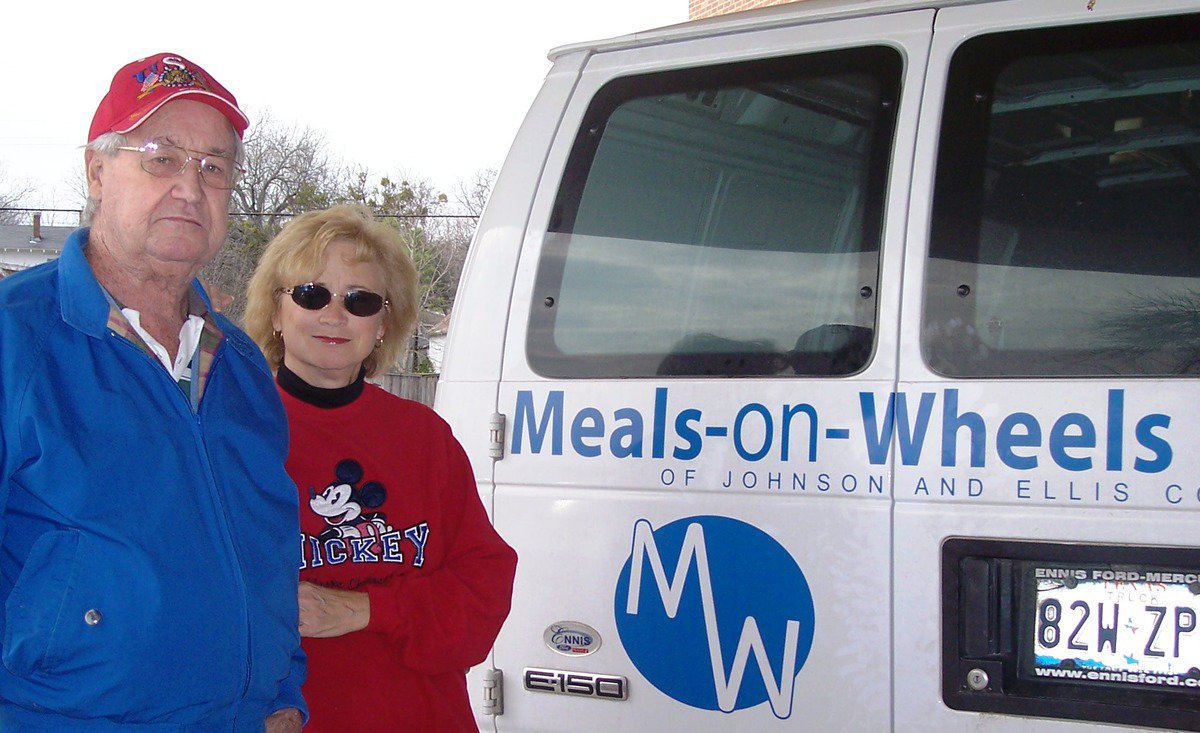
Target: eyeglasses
[[314, 297], [167, 160]]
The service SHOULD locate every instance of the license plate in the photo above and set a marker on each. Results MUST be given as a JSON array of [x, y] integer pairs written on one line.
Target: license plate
[[1132, 626]]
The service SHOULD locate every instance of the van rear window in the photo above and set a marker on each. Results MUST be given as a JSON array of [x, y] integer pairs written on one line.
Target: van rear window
[[721, 221], [1066, 217]]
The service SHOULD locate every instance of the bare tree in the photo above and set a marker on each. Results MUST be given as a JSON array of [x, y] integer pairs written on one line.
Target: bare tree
[[437, 233], [288, 171], [473, 194], [457, 233], [12, 195], [414, 207]]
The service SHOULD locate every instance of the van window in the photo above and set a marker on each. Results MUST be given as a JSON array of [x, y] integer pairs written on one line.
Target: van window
[[721, 221], [1066, 218]]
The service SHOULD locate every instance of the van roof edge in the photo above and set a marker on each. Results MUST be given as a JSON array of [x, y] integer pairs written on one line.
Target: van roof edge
[[808, 11]]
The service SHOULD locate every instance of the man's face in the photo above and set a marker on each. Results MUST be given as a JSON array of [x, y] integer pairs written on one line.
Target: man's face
[[163, 226]]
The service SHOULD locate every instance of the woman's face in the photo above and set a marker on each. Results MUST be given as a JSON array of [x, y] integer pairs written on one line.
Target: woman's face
[[326, 347]]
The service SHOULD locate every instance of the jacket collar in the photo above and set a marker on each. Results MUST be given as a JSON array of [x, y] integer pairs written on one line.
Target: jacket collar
[[82, 299], [84, 304]]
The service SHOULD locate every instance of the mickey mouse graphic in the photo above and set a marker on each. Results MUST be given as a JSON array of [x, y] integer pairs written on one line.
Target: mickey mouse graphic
[[341, 504]]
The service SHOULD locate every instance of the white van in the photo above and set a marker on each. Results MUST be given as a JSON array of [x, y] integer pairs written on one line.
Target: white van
[[834, 367]]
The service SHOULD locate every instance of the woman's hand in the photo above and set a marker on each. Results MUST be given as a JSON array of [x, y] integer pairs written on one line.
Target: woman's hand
[[326, 612]]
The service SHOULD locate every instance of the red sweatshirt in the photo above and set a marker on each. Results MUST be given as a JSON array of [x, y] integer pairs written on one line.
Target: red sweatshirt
[[388, 506]]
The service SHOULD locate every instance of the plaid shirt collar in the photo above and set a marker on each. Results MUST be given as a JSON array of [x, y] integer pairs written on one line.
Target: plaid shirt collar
[[210, 336], [86, 306]]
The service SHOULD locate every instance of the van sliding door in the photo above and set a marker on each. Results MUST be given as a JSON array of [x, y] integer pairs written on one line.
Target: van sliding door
[[697, 383]]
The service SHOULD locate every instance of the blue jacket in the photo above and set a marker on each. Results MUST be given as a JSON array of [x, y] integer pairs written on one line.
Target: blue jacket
[[148, 555]]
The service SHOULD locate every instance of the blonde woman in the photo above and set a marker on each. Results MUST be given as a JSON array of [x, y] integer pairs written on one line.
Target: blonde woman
[[404, 581]]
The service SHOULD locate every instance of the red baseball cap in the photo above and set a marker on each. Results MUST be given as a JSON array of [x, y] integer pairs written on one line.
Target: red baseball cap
[[140, 88]]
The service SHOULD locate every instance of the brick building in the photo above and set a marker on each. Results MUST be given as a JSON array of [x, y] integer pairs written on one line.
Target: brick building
[[708, 8]]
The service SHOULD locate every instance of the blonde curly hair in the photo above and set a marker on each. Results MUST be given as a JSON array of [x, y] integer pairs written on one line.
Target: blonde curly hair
[[297, 255]]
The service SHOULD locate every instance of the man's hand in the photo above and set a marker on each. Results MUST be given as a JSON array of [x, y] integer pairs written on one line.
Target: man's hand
[[287, 720], [326, 612]]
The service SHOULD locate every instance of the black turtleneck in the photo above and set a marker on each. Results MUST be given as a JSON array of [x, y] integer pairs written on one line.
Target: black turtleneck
[[320, 396]]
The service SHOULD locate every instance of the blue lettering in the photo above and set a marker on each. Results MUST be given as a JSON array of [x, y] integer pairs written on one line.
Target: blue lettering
[[1006, 440], [1116, 429], [626, 440], [391, 547], [315, 543], [952, 423], [1159, 446], [789, 412], [657, 449], [360, 549], [551, 421], [335, 550], [589, 423], [418, 535], [912, 435], [692, 437], [912, 438], [1072, 442], [768, 432], [1060, 441]]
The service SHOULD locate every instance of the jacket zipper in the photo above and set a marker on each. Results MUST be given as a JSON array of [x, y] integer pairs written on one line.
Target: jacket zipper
[[214, 494]]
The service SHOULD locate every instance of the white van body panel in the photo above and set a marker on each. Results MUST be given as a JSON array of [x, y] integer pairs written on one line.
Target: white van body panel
[[1049, 503], [475, 340], [846, 487], [467, 388], [603, 497]]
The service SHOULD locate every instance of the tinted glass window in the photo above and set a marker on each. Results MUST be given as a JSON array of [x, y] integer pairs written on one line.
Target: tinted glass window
[[721, 221], [1065, 235]]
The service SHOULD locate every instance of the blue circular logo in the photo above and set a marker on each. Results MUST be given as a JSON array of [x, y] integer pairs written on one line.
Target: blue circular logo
[[715, 613]]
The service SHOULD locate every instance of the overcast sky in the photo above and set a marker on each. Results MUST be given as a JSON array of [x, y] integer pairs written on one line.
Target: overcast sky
[[431, 89]]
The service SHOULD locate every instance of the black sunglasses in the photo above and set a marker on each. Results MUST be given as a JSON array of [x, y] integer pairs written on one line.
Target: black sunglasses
[[314, 297]]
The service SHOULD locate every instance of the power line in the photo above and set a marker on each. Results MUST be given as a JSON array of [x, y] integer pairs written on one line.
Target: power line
[[40, 209], [284, 214]]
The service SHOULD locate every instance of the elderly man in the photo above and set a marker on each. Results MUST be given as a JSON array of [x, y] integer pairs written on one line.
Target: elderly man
[[148, 560]]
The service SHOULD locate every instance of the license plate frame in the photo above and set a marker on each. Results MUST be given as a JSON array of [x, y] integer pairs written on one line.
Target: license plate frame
[[1123, 626], [989, 605]]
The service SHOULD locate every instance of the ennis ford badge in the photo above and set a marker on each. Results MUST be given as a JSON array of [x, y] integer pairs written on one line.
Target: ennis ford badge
[[571, 638]]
